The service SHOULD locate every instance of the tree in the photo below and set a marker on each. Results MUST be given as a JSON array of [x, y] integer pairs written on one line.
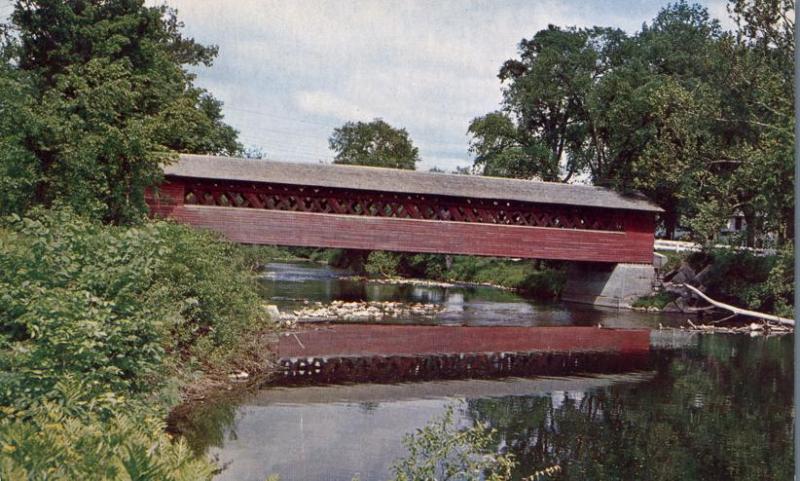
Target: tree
[[373, 143], [546, 128], [698, 119], [102, 98]]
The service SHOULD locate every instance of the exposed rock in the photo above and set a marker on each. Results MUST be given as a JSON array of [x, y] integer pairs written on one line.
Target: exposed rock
[[361, 311], [682, 303], [682, 275], [273, 311], [239, 376]]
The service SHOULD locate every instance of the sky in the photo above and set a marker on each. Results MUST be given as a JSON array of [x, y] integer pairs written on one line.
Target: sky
[[291, 71]]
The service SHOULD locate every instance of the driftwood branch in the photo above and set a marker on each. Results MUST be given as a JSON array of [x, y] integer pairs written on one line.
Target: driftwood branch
[[742, 312]]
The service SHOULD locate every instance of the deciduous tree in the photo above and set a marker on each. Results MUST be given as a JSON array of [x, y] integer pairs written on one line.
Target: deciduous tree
[[101, 97], [373, 143]]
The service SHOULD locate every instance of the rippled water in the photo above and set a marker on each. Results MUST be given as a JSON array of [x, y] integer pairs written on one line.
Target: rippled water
[[706, 408]]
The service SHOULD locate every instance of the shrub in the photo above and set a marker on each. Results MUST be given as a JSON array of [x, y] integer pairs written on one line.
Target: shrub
[[94, 322], [763, 283], [62, 441], [113, 305], [381, 263], [441, 450], [659, 300], [540, 279]]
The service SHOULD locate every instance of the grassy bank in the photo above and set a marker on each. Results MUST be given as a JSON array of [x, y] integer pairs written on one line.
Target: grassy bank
[[101, 327], [539, 279]]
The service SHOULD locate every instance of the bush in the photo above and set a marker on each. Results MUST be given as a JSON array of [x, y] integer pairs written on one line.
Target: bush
[[62, 441], [113, 304], [255, 256], [442, 450], [539, 280], [382, 263], [659, 300], [95, 322], [763, 283]]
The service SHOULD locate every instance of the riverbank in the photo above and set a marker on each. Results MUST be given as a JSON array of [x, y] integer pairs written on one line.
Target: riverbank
[[537, 279], [739, 278], [105, 328]]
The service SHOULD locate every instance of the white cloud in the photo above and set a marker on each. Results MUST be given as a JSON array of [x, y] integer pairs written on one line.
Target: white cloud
[[291, 71], [330, 105]]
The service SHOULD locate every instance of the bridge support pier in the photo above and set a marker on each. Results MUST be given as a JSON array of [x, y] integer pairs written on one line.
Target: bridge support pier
[[608, 285]]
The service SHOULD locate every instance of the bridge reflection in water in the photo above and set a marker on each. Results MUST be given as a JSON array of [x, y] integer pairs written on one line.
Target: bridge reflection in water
[[371, 353]]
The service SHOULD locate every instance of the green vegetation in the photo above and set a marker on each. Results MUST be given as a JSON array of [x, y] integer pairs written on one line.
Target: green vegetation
[[382, 263], [537, 279], [699, 119], [103, 316], [373, 143], [444, 452], [95, 98], [257, 255], [659, 300], [762, 283], [544, 280], [99, 326]]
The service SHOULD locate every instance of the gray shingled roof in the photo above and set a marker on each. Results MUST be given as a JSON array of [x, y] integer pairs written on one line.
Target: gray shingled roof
[[403, 181]]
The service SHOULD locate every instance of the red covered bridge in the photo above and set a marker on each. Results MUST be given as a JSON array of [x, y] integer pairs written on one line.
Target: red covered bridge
[[267, 202]]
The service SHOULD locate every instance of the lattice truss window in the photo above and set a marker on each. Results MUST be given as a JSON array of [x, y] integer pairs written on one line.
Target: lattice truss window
[[404, 206]]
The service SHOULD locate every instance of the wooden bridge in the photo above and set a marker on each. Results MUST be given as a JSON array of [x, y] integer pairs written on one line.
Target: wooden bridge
[[281, 203]]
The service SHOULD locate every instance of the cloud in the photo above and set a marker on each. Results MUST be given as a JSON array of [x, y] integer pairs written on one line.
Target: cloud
[[291, 71], [330, 105]]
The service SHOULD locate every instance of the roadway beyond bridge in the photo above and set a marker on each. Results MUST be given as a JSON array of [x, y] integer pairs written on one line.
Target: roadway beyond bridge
[[337, 206]]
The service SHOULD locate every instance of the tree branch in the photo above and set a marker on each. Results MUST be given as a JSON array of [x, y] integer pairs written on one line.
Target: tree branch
[[742, 312]]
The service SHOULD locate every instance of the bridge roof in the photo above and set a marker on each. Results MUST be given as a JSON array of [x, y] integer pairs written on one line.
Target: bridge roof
[[403, 182]]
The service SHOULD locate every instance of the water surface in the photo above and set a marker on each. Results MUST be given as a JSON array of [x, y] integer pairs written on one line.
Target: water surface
[[699, 407]]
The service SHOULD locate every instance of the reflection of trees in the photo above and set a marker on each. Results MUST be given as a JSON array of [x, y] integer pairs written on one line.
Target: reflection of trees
[[204, 425], [723, 412]]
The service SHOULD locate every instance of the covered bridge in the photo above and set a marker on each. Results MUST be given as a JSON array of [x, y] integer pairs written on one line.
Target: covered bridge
[[320, 205]]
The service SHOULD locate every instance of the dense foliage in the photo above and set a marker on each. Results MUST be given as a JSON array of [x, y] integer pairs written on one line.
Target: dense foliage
[[95, 96], [762, 283], [697, 118], [373, 143], [94, 321]]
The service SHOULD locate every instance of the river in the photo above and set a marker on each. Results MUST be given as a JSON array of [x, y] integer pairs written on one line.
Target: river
[[714, 407]]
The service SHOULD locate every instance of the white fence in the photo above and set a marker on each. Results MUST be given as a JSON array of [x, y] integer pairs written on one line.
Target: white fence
[[683, 246]]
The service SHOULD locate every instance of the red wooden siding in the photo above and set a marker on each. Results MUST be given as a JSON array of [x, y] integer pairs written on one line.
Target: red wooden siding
[[634, 244]]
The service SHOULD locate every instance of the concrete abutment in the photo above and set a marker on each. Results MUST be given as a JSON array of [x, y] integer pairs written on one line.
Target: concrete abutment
[[608, 285]]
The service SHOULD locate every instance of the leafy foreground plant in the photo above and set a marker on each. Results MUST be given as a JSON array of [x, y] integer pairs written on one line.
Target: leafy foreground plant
[[98, 325], [441, 451], [67, 441]]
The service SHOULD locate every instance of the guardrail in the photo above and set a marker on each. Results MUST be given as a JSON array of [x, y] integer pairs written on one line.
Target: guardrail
[[684, 246]]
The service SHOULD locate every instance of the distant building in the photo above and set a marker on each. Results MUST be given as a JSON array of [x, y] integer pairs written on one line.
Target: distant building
[[736, 224]]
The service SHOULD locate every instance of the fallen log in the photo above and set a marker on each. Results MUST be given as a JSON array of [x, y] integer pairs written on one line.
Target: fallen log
[[739, 311]]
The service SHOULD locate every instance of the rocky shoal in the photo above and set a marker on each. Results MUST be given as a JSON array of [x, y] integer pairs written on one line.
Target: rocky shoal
[[354, 312]]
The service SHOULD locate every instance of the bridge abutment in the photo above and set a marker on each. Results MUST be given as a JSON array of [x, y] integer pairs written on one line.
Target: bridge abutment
[[608, 285]]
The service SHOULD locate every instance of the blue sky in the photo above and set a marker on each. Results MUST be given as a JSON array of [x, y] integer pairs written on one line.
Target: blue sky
[[291, 71]]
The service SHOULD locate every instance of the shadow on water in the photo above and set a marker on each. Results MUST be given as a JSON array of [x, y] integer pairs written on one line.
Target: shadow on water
[[708, 408]]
